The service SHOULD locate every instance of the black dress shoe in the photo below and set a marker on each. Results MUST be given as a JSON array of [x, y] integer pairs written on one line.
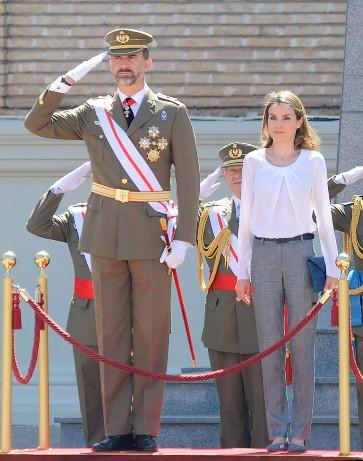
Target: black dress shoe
[[145, 443], [115, 443]]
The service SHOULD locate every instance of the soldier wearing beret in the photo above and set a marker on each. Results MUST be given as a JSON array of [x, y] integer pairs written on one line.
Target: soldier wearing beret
[[229, 330], [133, 139]]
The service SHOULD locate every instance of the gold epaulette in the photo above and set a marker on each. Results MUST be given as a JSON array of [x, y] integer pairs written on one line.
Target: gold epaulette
[[351, 241], [213, 250], [221, 202]]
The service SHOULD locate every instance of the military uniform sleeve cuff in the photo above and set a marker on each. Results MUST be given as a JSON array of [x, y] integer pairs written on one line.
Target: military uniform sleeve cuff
[[59, 86]]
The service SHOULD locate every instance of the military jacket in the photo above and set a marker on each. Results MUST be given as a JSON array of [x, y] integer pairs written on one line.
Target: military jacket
[[128, 230], [342, 218], [229, 326], [43, 222]]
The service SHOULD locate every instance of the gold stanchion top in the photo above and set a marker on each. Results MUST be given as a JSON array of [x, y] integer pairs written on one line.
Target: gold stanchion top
[[42, 259], [343, 262], [8, 260]]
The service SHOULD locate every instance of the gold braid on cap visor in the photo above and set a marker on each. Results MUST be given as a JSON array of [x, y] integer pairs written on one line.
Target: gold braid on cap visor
[[116, 47]]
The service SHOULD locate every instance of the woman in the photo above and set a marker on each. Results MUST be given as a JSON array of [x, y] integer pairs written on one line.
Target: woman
[[283, 183]]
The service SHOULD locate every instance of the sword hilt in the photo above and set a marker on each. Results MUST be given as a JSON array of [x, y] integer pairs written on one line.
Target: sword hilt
[[165, 232]]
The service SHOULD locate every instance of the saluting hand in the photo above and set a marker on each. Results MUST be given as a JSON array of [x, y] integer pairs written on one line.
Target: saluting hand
[[210, 184], [350, 176], [64, 82], [72, 180]]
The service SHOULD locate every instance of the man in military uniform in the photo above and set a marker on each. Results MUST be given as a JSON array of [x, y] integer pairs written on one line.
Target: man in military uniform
[[81, 325], [347, 218], [133, 138], [229, 326]]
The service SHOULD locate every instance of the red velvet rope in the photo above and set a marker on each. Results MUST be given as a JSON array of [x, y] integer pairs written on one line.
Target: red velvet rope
[[352, 360], [179, 378], [354, 366], [24, 379]]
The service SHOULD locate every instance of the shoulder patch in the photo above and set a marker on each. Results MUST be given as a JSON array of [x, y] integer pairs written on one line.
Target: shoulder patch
[[169, 98]]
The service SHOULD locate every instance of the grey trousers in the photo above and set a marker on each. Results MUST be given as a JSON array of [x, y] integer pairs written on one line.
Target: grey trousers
[[279, 272]]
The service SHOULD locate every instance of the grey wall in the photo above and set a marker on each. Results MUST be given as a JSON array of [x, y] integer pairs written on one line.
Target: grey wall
[[351, 119]]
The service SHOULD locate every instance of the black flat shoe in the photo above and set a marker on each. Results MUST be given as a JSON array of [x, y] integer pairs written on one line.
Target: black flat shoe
[[145, 443], [277, 446], [115, 443], [296, 448]]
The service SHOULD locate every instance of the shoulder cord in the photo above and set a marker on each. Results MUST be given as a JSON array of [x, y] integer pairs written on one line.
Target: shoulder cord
[[213, 250], [351, 242]]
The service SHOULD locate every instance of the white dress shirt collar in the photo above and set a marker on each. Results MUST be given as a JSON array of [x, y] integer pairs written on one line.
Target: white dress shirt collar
[[237, 204], [137, 97]]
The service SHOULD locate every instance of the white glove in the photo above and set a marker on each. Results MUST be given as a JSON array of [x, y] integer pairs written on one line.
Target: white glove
[[177, 255], [72, 180], [78, 72], [350, 176], [82, 69], [210, 184]]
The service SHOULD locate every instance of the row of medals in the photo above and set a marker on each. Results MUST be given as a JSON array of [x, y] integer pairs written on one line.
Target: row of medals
[[154, 144]]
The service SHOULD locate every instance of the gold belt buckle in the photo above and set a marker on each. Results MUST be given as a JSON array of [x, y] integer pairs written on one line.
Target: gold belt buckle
[[122, 195]]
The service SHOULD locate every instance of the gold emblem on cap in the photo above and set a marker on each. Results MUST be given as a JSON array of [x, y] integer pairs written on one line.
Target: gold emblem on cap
[[122, 38], [235, 151], [153, 144]]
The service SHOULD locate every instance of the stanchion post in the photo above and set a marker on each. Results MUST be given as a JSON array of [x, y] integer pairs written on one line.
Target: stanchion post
[[343, 263], [8, 261], [41, 260]]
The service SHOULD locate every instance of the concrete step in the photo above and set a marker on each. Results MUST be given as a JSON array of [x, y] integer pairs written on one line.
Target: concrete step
[[326, 397], [202, 431], [189, 398], [326, 353]]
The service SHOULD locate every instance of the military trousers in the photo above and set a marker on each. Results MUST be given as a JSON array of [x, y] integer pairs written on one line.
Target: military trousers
[[81, 325], [359, 348], [89, 394], [241, 402], [132, 301], [279, 273]]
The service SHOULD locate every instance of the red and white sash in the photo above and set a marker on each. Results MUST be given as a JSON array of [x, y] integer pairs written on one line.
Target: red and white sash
[[78, 212], [132, 161], [218, 223]]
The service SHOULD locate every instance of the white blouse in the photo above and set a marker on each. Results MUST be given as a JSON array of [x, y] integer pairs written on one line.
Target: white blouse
[[279, 201]]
